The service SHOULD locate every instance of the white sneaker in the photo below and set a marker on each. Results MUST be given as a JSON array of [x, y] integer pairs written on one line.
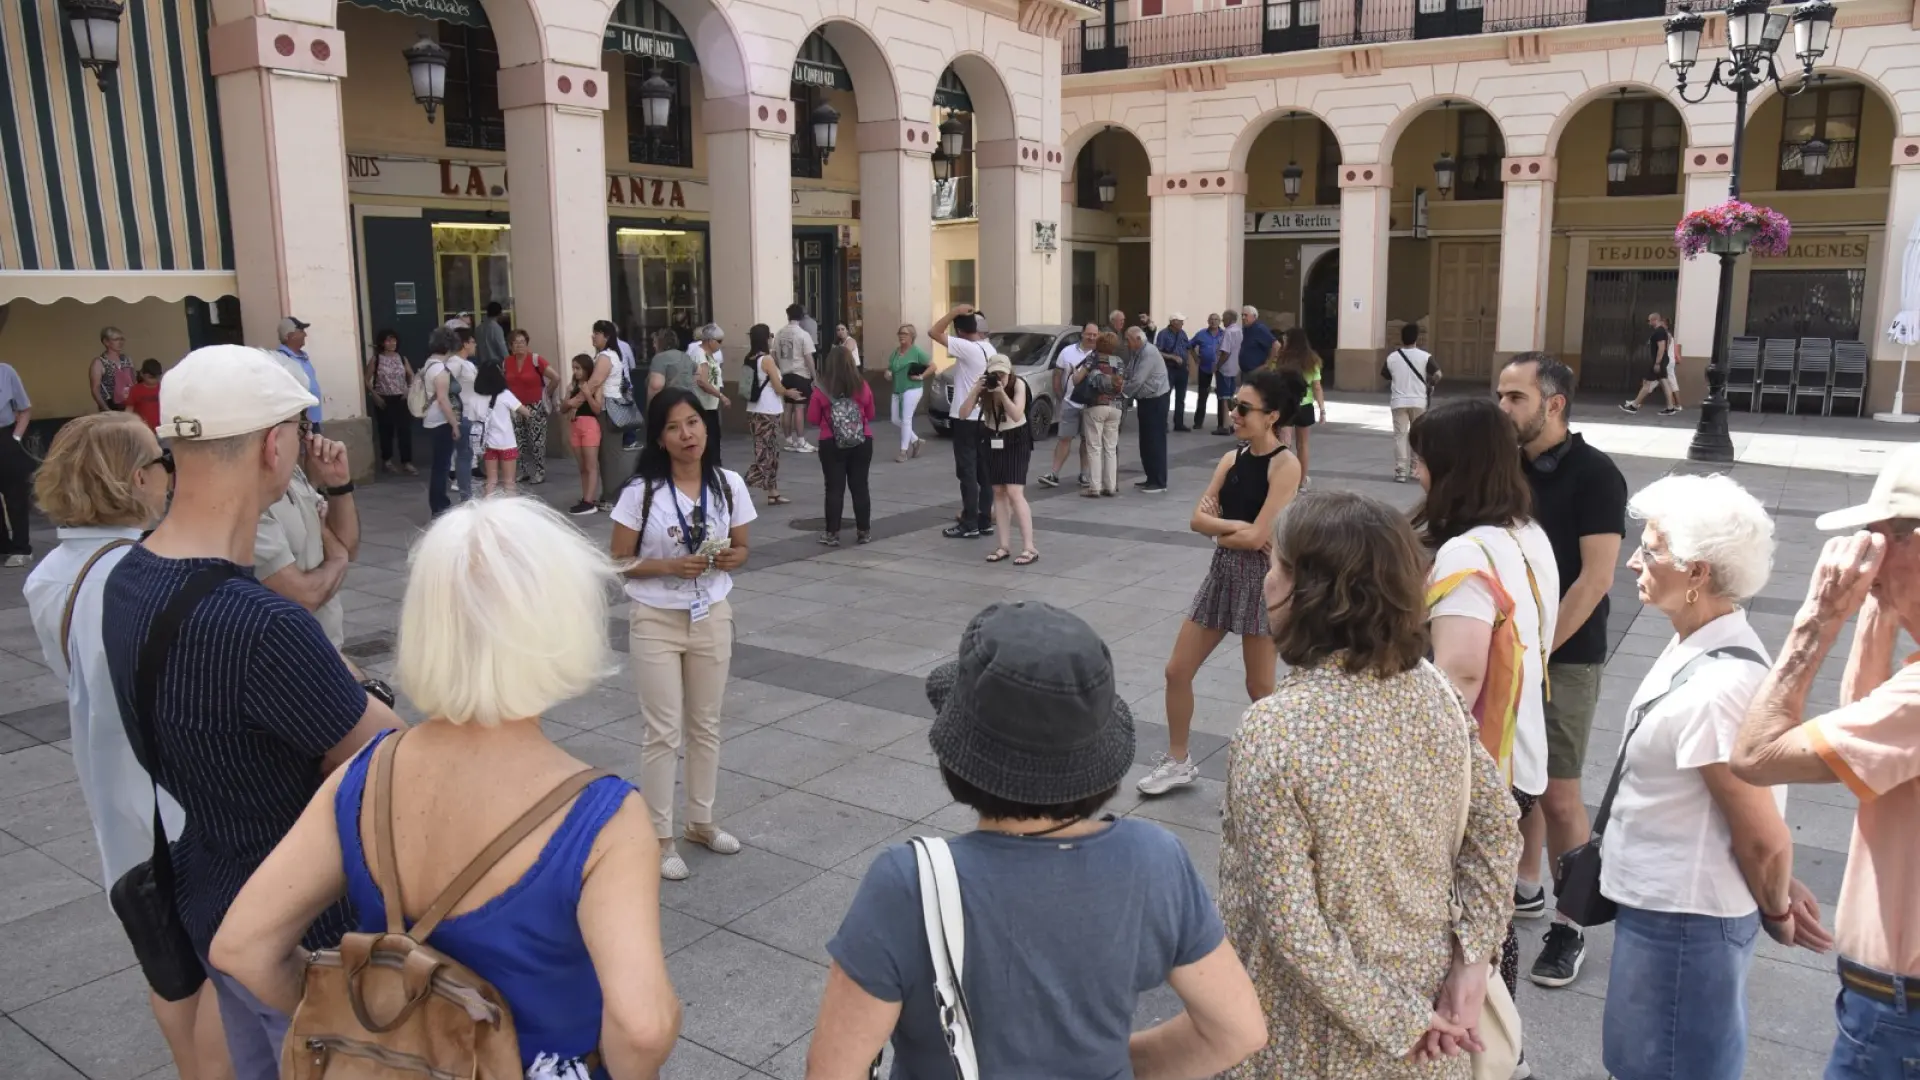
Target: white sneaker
[[1167, 774], [15, 561], [672, 866], [806, 447]]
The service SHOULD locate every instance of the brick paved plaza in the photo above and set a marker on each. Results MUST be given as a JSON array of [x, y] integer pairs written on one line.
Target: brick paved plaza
[[825, 759]]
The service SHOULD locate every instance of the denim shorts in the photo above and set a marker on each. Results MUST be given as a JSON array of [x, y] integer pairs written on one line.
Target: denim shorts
[[1677, 996], [1876, 1041]]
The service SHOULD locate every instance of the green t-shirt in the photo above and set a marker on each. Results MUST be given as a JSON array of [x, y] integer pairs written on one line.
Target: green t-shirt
[[1312, 377], [901, 361]]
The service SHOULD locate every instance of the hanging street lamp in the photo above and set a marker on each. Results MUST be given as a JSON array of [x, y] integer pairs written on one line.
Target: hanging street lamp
[[942, 164], [1109, 189], [656, 103], [1617, 162], [826, 129], [953, 136], [427, 66], [1290, 180], [1754, 34], [95, 27], [1443, 170]]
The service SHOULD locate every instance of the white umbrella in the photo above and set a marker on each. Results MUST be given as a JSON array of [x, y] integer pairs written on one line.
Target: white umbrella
[[1906, 324]]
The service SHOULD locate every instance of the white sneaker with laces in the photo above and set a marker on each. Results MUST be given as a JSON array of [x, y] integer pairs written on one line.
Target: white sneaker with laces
[[1167, 774]]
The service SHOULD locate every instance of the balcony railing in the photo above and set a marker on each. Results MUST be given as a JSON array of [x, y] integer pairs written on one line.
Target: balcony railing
[[1277, 26]]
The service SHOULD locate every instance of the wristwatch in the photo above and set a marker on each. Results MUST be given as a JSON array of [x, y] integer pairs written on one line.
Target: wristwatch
[[378, 689], [336, 492]]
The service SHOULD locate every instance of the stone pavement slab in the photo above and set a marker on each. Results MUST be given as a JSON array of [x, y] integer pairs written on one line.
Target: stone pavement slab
[[825, 761]]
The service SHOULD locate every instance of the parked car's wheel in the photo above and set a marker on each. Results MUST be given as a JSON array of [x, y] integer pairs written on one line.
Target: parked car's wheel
[[1040, 421]]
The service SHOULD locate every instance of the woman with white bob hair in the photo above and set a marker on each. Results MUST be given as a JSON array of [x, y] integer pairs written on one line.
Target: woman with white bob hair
[[505, 616], [1697, 861]]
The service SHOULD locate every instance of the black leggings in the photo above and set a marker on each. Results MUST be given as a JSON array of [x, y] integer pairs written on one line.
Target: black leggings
[[395, 428], [847, 468]]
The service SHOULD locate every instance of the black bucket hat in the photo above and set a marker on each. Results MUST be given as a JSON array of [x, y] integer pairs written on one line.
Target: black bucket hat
[[1028, 712]]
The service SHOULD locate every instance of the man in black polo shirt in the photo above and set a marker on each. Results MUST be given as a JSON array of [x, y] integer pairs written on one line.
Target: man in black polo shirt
[[1580, 499]]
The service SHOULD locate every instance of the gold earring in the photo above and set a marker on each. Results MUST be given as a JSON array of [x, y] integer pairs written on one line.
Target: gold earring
[[1693, 595]]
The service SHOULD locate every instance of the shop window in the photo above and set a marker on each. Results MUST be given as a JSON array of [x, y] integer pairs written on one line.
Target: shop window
[[659, 281], [1477, 176], [472, 269], [1649, 130], [953, 200], [472, 109], [1832, 115], [672, 146], [960, 282], [1806, 303], [1326, 180]]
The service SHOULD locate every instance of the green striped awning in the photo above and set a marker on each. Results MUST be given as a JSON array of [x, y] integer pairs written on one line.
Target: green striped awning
[[127, 179]]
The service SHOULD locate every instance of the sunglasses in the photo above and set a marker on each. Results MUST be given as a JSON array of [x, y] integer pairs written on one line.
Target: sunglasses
[[1241, 408], [165, 461]]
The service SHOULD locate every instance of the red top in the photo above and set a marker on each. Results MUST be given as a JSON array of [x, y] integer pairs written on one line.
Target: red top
[[526, 380], [145, 400], [820, 411]]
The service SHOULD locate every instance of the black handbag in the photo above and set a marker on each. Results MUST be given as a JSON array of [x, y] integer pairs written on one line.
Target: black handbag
[[1577, 885], [143, 898]]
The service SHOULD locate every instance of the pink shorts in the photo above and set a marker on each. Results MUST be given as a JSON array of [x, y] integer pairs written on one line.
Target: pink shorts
[[502, 455], [586, 431]]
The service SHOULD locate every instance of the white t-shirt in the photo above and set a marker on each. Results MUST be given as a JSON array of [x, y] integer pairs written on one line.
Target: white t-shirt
[[620, 362], [1408, 391], [499, 420], [793, 349], [969, 363], [1070, 357], [1667, 845], [462, 371], [660, 538], [769, 403], [1473, 600]]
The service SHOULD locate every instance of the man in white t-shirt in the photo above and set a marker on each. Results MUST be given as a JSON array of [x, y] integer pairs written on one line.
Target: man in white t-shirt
[[793, 349], [1069, 359], [968, 347], [1411, 375]]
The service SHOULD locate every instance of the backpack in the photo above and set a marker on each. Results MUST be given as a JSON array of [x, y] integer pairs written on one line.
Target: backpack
[[844, 420], [386, 1005], [420, 389]]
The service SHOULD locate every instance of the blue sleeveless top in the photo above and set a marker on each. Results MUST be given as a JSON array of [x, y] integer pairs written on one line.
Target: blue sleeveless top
[[525, 941]]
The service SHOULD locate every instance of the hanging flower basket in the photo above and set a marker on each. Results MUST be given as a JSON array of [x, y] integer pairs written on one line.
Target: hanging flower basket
[[1731, 228]]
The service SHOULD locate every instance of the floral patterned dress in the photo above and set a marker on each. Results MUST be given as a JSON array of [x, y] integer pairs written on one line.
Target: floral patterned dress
[[1338, 864]]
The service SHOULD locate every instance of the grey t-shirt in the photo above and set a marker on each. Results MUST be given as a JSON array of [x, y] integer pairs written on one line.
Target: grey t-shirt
[[1062, 939], [675, 367]]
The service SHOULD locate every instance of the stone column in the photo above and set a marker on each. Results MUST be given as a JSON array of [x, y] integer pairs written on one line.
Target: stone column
[[1012, 192], [896, 232], [1188, 277], [1526, 240], [1903, 210], [1705, 169], [278, 84], [749, 176], [1366, 198], [557, 198]]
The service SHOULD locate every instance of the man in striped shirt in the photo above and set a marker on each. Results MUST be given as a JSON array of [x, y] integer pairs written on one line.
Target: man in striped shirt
[[253, 707]]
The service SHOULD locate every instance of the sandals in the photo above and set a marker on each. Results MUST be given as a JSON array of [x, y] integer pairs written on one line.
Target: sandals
[[1027, 558], [778, 500], [999, 554]]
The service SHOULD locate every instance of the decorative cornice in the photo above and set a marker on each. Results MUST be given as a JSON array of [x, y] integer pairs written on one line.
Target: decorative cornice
[[1051, 18], [258, 42], [1221, 182], [552, 83], [1707, 159], [1520, 170], [1010, 153], [907, 136], [1358, 63], [1529, 49], [1366, 175], [750, 112], [1195, 77]]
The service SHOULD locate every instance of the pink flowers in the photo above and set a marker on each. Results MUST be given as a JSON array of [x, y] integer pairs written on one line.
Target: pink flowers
[[1733, 226]]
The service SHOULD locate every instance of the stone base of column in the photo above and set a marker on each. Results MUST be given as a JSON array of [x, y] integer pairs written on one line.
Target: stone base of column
[[356, 434], [1359, 370]]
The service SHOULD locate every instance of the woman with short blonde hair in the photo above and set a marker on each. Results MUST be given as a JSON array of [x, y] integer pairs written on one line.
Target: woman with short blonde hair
[[105, 482], [566, 924]]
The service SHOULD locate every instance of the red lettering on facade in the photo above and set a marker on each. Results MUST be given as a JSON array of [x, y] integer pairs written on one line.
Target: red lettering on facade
[[676, 198], [613, 191], [657, 186], [476, 184], [446, 178], [636, 191]]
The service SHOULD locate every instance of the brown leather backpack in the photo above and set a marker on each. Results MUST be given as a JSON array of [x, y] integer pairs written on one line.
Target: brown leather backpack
[[386, 1006]]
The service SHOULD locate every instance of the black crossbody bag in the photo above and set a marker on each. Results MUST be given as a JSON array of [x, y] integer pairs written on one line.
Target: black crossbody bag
[[143, 898], [1578, 889]]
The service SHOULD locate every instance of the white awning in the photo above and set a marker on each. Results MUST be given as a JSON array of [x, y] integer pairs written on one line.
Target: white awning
[[93, 286]]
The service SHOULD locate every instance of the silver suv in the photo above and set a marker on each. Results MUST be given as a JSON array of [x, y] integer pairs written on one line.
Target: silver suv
[[1032, 349]]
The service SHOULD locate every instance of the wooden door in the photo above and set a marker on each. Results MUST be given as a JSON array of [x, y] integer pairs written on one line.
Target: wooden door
[[1466, 306]]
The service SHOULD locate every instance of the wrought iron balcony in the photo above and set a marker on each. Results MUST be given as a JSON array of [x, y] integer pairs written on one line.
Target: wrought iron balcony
[[1278, 26]]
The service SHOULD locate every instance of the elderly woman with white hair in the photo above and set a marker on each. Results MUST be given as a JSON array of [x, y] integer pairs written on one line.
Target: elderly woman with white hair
[[1697, 861], [709, 382], [566, 924]]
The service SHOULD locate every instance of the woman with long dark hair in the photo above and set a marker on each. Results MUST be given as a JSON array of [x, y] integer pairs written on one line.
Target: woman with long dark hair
[[388, 373], [1251, 484], [767, 399], [1492, 594], [679, 531], [840, 398], [582, 411], [1293, 354]]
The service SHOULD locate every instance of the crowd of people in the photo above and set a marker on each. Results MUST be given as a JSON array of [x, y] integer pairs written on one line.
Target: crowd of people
[[1404, 789]]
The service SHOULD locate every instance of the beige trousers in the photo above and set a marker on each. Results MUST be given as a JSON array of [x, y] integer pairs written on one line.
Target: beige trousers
[[1100, 435], [680, 671], [1403, 419]]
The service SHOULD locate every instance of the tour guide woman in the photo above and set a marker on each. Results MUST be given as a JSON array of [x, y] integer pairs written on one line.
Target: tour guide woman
[[681, 527], [1343, 859]]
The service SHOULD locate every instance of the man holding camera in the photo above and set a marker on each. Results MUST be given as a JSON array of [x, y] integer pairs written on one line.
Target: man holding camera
[[968, 347]]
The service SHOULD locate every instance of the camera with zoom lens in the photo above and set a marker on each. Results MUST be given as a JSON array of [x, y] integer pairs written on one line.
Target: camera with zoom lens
[[992, 380]]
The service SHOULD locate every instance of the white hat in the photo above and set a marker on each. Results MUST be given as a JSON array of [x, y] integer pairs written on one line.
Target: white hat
[[226, 390], [1176, 317], [1896, 494]]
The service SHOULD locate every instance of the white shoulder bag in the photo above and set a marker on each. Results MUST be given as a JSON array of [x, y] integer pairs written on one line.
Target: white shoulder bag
[[947, 942]]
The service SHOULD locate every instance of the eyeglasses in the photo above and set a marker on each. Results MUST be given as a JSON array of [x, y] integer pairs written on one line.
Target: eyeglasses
[[1241, 408], [165, 461]]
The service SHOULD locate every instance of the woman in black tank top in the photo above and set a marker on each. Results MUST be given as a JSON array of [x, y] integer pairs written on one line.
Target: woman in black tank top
[[1250, 486]]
